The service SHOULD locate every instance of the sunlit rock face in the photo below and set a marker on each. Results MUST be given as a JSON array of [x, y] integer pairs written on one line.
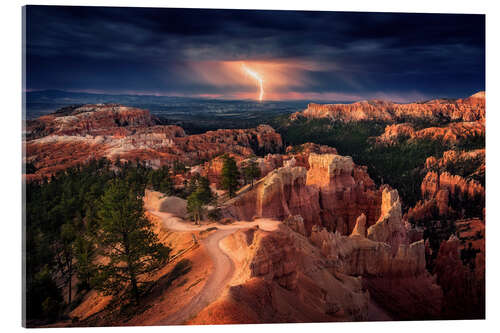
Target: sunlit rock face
[[451, 133], [345, 191], [332, 193], [294, 195], [301, 153], [389, 257], [466, 109], [76, 135], [282, 277], [292, 274], [282, 193]]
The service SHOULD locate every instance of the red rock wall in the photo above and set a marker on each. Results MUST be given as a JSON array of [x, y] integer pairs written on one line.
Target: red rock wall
[[327, 195], [467, 109]]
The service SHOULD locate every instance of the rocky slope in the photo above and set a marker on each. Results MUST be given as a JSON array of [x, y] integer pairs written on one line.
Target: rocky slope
[[448, 134], [76, 135], [453, 215], [90, 119], [466, 109], [290, 276], [447, 195], [460, 270]]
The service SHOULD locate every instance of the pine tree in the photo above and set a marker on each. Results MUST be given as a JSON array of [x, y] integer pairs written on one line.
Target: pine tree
[[251, 171], [161, 181], [64, 255], [84, 252], [195, 206], [131, 247], [230, 175], [200, 194]]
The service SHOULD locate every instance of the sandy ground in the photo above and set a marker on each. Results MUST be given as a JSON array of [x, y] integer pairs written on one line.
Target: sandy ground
[[223, 266]]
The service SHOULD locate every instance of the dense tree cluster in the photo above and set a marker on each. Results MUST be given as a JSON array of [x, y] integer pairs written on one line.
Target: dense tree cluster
[[83, 213]]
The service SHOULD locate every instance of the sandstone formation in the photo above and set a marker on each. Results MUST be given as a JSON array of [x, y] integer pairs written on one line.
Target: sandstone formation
[[453, 159], [466, 109], [76, 135], [360, 227], [446, 195], [383, 249], [454, 184], [346, 191], [343, 250], [292, 276], [332, 193], [213, 168], [295, 156], [282, 277], [459, 269], [92, 119], [301, 153], [391, 259], [449, 134]]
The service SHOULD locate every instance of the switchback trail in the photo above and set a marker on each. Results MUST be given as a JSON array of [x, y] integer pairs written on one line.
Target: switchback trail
[[223, 266]]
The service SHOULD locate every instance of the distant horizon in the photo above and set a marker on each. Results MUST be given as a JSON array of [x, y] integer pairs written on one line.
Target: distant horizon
[[326, 101]]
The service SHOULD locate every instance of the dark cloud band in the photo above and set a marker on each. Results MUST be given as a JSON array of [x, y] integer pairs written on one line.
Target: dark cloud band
[[146, 50]]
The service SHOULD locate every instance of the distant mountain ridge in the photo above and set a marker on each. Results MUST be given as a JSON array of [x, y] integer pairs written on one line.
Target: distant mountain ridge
[[463, 109]]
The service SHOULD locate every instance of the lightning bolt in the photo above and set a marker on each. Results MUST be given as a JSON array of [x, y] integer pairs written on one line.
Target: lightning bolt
[[258, 78]]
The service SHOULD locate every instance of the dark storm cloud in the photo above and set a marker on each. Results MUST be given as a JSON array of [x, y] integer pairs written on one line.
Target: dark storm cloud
[[147, 50]]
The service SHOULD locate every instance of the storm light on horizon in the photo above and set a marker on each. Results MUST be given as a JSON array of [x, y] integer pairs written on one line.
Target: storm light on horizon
[[302, 55]]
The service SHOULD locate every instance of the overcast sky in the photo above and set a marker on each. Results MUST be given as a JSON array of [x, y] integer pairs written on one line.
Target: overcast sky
[[299, 55]]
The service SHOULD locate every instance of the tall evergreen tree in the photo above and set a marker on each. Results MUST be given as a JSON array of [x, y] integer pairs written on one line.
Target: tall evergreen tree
[[195, 206], [84, 252], [251, 171], [230, 175], [64, 255], [131, 247], [200, 194]]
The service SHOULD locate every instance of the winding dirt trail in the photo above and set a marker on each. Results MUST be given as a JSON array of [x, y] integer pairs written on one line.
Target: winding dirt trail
[[223, 268]]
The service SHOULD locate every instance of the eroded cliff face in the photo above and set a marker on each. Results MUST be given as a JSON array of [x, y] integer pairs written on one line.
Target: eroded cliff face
[[90, 119], [445, 195], [385, 248], [452, 213], [451, 133], [345, 191], [460, 271], [213, 169], [451, 158], [281, 277], [280, 194], [332, 193], [390, 256], [295, 156], [289, 276], [76, 135], [466, 109]]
